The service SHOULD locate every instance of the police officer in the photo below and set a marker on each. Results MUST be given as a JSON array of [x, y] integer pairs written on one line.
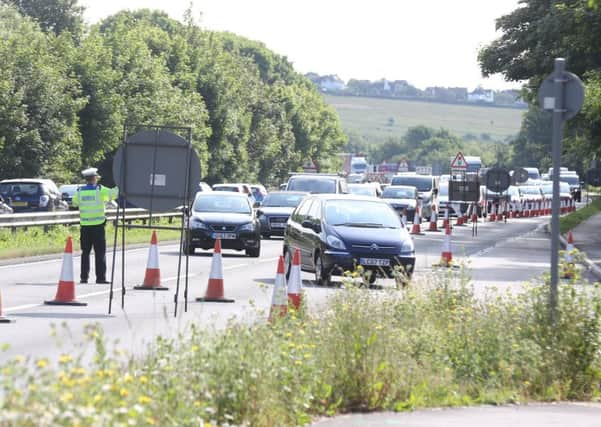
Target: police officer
[[91, 199]]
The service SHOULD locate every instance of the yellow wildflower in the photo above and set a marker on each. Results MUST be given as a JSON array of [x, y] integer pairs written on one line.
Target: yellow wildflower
[[67, 397], [19, 359], [150, 421], [142, 400], [65, 358], [42, 363], [123, 392], [128, 378], [143, 379], [195, 348]]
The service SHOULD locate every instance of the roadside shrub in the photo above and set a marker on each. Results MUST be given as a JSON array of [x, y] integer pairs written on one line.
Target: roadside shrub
[[438, 343]]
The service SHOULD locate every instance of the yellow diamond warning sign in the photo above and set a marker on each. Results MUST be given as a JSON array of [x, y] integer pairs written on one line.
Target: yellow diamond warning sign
[[459, 162]]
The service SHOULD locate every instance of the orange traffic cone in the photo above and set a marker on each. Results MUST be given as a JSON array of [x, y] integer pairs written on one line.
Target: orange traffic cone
[[446, 257], [214, 291], [492, 216], [433, 221], [152, 277], [3, 319], [417, 220], [295, 283], [65, 294], [279, 300], [445, 221]]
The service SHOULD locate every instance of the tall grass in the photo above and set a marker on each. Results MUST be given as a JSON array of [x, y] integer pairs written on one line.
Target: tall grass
[[364, 351]]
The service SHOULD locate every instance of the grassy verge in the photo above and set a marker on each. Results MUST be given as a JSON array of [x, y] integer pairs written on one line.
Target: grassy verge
[[34, 241], [568, 222], [364, 351]]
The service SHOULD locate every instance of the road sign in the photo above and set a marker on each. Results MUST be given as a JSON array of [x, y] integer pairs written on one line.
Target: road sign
[[464, 191], [423, 170], [593, 177], [573, 95], [520, 175], [403, 166], [497, 180], [563, 94], [459, 162]]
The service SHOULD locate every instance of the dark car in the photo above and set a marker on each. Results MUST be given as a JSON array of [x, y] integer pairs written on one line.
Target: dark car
[[427, 190], [275, 210], [228, 216], [337, 233], [31, 195], [402, 198], [574, 181], [317, 183]]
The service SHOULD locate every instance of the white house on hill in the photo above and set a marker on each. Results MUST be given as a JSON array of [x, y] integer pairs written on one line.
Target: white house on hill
[[481, 95]]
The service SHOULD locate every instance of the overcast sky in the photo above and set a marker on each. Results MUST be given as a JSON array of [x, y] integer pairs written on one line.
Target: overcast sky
[[427, 42]]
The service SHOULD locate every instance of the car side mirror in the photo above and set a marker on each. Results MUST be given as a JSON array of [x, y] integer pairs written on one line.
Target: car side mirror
[[435, 191], [309, 224], [257, 205]]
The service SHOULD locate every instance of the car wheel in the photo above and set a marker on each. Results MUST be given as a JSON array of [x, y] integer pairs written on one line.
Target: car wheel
[[254, 252], [287, 263], [322, 277]]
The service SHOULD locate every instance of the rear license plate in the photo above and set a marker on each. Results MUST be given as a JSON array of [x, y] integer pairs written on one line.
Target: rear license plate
[[20, 204], [278, 225], [225, 236], [379, 262]]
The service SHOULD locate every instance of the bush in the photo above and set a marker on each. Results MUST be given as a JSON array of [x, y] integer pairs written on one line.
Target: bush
[[366, 350]]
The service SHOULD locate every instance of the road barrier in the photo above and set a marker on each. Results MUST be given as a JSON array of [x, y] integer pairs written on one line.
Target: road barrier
[[49, 219]]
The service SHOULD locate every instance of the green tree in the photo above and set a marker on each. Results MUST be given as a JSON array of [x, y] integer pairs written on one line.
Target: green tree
[[53, 16], [39, 133]]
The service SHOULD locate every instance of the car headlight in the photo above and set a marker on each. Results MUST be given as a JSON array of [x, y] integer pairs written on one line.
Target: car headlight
[[44, 201], [335, 242], [197, 224], [407, 247], [248, 227]]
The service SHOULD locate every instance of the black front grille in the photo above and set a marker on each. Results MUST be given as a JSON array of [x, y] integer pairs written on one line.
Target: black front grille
[[223, 227], [280, 219]]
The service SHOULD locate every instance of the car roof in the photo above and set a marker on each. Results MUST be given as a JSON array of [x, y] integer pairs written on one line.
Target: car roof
[[315, 176], [221, 194], [356, 197], [299, 193], [25, 180]]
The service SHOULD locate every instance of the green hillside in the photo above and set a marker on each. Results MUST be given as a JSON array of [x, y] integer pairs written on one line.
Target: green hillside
[[377, 118]]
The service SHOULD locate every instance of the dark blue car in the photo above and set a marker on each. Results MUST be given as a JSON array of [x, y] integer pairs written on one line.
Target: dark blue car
[[338, 233], [27, 195]]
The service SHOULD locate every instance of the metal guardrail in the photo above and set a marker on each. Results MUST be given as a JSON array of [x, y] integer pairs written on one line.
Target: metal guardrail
[[47, 219]]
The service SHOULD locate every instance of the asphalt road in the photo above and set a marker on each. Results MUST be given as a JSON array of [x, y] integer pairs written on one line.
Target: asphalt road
[[536, 415], [502, 256]]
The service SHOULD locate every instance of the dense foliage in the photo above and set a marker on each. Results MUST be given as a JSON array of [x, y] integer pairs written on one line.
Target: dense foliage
[[532, 37], [434, 344], [67, 94]]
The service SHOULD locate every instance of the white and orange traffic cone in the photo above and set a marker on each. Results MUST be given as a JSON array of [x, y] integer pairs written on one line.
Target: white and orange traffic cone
[[152, 277], [417, 220], [295, 282], [433, 221], [474, 213], [500, 211], [568, 271], [2, 318], [445, 222], [446, 256], [214, 291], [65, 294], [279, 300]]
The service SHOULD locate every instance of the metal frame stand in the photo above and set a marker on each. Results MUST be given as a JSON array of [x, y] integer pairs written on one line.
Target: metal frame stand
[[120, 219]]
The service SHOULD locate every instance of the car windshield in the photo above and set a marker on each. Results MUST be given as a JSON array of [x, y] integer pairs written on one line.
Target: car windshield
[[362, 190], [570, 179], [312, 185], [443, 190], [398, 193], [564, 187], [361, 213], [20, 188], [227, 188], [283, 200], [422, 183], [222, 203]]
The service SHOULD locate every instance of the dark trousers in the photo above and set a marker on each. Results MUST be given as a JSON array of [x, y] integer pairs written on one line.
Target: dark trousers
[[92, 236]]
